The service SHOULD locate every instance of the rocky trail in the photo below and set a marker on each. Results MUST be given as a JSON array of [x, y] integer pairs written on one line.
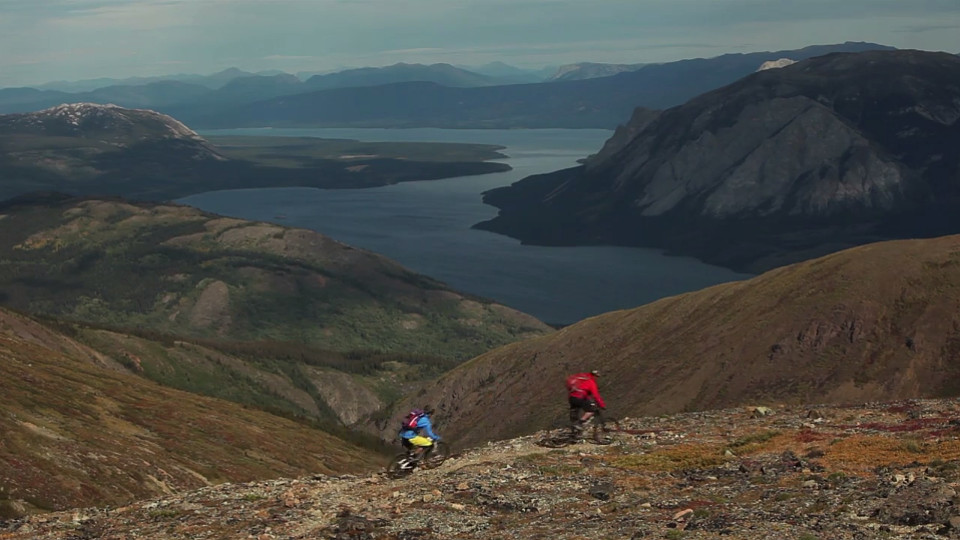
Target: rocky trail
[[880, 470]]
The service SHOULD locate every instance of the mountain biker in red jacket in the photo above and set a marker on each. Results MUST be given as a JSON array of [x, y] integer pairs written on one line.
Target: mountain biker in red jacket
[[583, 396]]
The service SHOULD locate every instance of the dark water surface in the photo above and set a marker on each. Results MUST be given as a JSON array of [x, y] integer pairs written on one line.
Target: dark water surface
[[426, 227]]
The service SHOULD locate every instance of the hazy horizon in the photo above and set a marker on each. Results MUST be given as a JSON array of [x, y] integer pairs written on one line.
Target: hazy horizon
[[53, 40]]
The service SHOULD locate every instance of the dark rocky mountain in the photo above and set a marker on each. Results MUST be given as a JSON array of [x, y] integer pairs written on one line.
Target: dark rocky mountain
[[593, 103], [783, 165], [872, 323]]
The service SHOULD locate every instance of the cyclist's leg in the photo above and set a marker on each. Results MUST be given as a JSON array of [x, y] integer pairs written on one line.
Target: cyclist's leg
[[576, 409], [421, 444], [589, 409]]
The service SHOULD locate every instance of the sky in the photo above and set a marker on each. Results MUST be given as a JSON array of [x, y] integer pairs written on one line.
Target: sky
[[47, 40]]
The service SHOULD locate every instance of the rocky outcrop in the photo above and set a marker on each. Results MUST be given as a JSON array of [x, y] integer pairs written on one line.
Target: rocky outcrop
[[349, 399], [830, 152], [623, 135]]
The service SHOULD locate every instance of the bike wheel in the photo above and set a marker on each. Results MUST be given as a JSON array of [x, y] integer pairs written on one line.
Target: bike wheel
[[557, 439], [396, 468], [601, 435], [437, 456]]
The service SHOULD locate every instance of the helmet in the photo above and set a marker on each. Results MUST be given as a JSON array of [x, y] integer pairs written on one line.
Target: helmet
[[595, 373], [428, 410]]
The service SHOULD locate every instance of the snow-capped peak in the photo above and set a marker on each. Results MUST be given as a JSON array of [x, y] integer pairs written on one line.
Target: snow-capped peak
[[75, 113], [110, 115]]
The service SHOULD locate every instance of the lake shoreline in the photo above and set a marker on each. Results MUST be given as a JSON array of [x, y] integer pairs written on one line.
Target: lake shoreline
[[428, 227]]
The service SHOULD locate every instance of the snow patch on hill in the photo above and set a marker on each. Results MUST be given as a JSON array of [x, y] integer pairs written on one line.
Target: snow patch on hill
[[776, 64]]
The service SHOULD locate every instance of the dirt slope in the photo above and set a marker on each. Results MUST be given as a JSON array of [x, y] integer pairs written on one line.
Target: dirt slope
[[75, 430]]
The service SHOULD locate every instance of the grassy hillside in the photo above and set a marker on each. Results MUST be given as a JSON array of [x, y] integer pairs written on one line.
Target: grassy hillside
[[77, 430], [321, 387], [285, 319], [178, 270], [881, 321]]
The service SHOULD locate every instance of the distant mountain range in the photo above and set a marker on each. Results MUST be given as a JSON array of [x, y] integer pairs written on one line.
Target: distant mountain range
[[189, 94], [872, 323], [212, 81], [439, 95], [783, 165], [509, 74], [591, 70], [592, 103], [178, 93], [442, 74]]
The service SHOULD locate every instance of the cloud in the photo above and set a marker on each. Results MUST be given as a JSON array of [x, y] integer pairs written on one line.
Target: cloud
[[919, 29], [287, 58], [124, 36]]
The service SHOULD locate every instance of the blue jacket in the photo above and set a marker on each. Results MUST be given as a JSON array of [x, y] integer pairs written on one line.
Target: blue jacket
[[423, 425]]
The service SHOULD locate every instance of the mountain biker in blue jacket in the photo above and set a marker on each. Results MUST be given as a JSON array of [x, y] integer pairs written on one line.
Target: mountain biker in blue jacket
[[413, 439]]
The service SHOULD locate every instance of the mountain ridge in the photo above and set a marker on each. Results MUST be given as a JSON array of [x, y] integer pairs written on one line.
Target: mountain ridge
[[591, 103]]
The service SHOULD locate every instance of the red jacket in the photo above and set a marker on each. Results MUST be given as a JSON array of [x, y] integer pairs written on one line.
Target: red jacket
[[584, 385]]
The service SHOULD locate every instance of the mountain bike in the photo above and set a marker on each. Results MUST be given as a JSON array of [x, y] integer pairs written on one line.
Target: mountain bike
[[405, 463], [596, 430]]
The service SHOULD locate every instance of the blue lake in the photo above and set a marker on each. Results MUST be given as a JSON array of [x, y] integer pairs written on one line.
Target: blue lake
[[426, 227]]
